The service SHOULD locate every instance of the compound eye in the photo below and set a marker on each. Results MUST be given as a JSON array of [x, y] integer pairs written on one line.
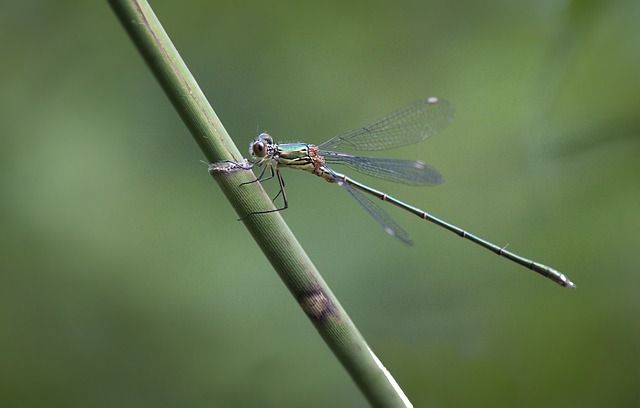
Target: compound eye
[[259, 149], [261, 146]]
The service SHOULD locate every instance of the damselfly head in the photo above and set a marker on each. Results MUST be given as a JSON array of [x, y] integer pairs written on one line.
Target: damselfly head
[[262, 146]]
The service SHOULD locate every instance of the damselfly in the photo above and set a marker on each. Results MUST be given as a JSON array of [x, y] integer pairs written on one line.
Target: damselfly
[[408, 125]]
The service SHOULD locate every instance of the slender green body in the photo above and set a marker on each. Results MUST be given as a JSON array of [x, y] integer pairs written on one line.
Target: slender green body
[[542, 269], [305, 157], [402, 127]]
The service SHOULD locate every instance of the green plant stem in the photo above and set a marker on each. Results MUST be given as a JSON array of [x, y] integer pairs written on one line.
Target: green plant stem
[[270, 232]]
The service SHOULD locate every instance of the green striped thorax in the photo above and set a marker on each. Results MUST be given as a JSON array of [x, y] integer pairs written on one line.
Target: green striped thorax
[[301, 156]]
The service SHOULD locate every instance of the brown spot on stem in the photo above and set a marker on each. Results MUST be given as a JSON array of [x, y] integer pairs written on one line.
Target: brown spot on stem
[[316, 304]]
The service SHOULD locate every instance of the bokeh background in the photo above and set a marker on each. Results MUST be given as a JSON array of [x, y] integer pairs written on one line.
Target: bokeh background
[[127, 281]]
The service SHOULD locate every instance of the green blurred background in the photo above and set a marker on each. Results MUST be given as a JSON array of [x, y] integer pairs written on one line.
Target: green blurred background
[[127, 281]]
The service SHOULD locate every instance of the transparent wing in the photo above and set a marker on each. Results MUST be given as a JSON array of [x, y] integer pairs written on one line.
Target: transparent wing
[[402, 171], [382, 218], [410, 124]]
